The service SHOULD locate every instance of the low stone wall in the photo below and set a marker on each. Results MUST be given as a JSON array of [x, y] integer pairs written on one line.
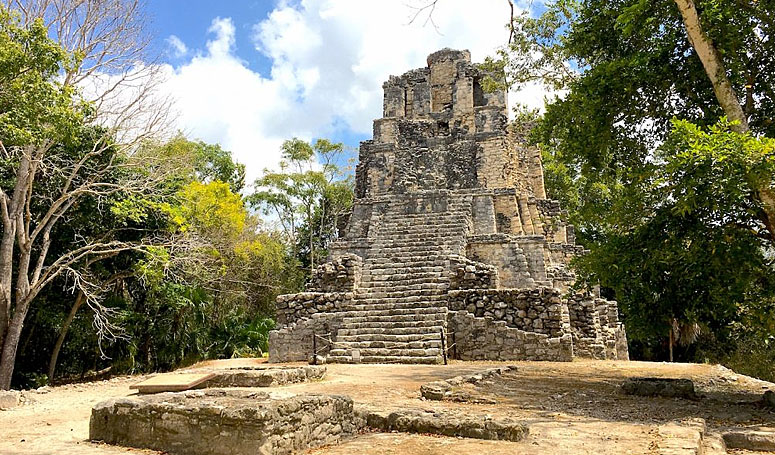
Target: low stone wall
[[294, 307], [293, 343], [342, 274], [482, 338], [215, 422], [539, 310], [446, 423]]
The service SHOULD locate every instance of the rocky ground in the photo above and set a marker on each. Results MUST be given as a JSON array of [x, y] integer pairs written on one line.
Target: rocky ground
[[570, 408]]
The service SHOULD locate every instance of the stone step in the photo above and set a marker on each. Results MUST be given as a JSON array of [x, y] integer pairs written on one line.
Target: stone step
[[409, 278], [385, 352], [408, 338], [375, 344], [392, 311], [410, 291], [388, 324], [382, 298], [382, 289], [396, 268], [426, 330], [415, 317], [428, 306], [388, 359], [424, 260], [424, 283]]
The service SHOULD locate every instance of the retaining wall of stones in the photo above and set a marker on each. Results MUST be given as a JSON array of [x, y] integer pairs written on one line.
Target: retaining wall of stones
[[292, 308], [539, 310], [293, 343], [219, 422], [483, 338], [468, 274]]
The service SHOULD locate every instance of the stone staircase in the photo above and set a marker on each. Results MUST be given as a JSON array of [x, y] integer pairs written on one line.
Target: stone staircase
[[399, 312]]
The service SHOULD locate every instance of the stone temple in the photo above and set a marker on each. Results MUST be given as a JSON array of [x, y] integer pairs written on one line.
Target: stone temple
[[452, 245]]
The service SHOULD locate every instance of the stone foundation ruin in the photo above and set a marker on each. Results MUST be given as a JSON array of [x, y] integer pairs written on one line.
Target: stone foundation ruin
[[452, 242]]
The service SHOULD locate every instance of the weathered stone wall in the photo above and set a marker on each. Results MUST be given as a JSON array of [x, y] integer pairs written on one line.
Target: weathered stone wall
[[539, 310], [264, 376], [293, 342], [486, 339], [501, 251], [341, 274], [468, 274], [585, 327], [218, 422], [294, 307]]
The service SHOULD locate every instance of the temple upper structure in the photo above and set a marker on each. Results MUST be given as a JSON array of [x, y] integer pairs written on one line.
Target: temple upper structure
[[452, 247]]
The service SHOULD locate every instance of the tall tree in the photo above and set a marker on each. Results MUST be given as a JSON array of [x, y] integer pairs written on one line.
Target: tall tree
[[308, 195], [41, 110], [615, 156]]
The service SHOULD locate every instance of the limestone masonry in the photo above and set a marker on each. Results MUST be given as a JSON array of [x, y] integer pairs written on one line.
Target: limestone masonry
[[452, 243]]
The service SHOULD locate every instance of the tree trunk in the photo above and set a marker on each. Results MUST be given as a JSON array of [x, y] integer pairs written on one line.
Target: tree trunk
[[714, 67], [62, 334], [8, 357], [670, 343]]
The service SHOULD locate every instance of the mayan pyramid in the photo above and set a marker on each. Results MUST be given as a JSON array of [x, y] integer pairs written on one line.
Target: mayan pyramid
[[452, 245]]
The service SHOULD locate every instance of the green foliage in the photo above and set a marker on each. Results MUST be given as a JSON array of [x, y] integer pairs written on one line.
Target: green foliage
[[669, 209], [309, 196], [202, 162], [35, 108], [695, 251]]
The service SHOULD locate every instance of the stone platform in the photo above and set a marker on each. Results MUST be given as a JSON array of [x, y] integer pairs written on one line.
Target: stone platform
[[223, 422]]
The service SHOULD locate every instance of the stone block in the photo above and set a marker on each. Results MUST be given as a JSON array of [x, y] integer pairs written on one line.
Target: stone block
[[9, 399]]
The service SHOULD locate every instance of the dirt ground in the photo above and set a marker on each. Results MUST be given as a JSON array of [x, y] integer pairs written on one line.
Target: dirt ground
[[570, 408]]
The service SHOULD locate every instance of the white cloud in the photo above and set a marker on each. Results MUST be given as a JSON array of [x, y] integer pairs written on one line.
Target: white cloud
[[329, 59], [178, 47]]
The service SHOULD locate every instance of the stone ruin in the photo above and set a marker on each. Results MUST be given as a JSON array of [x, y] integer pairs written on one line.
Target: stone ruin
[[452, 245]]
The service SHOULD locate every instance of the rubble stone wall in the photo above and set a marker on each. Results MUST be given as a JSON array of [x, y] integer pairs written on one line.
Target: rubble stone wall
[[539, 310], [342, 274], [486, 339], [293, 343], [468, 274], [291, 308]]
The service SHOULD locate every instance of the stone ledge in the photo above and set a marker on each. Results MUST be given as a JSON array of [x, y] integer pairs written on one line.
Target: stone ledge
[[444, 390], [660, 387], [266, 376], [681, 438], [444, 423], [758, 440]]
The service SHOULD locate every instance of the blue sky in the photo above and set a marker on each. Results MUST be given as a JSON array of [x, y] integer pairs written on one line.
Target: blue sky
[[189, 19], [250, 74]]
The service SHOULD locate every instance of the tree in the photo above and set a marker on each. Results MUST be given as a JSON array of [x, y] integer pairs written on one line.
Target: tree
[[41, 112], [309, 187]]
